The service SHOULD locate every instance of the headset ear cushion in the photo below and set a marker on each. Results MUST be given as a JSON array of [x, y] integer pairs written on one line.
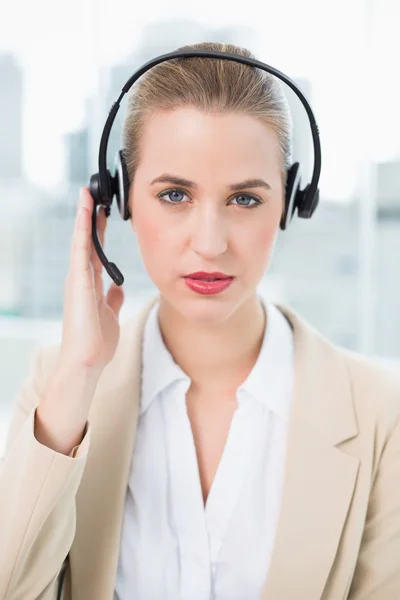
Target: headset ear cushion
[[307, 205], [121, 179], [94, 188], [291, 193], [102, 197]]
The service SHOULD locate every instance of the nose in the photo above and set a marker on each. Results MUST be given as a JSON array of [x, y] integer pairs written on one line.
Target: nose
[[208, 232]]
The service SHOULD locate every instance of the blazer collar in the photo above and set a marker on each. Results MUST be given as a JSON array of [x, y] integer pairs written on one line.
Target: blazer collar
[[318, 484], [319, 477], [322, 384]]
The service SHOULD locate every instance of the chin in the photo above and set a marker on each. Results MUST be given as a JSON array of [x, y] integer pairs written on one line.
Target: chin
[[205, 310]]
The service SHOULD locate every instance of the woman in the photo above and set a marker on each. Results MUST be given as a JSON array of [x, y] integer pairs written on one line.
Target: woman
[[216, 446]]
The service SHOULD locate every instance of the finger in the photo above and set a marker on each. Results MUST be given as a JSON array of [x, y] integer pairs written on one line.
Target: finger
[[115, 298], [81, 239], [85, 201]]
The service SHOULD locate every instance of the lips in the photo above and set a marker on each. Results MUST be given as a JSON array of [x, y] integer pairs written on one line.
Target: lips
[[203, 276], [207, 288]]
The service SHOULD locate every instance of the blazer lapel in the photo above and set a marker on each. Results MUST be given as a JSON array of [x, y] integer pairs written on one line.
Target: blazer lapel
[[319, 477], [99, 503]]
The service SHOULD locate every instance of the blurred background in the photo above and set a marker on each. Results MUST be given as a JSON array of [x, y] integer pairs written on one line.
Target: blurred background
[[63, 64]]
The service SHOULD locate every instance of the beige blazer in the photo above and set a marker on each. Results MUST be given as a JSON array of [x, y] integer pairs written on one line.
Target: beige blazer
[[338, 533]]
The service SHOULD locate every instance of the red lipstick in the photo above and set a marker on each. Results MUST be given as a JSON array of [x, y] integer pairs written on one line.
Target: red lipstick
[[208, 283], [208, 276]]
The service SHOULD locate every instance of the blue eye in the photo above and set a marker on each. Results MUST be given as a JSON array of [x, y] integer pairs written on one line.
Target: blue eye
[[247, 197], [167, 193]]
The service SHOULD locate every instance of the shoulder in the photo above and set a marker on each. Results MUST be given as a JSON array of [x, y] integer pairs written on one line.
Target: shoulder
[[375, 386], [371, 386]]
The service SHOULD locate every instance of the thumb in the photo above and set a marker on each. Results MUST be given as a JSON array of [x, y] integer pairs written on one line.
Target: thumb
[[115, 298]]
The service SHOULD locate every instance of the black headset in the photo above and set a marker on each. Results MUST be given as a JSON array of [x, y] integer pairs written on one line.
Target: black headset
[[103, 186]]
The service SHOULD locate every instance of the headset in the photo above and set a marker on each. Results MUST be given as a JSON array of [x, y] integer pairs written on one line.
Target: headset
[[103, 186]]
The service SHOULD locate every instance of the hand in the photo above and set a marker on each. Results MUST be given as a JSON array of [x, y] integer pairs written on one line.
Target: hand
[[91, 329]]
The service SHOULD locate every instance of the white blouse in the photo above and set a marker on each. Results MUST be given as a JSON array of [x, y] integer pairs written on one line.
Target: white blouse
[[172, 547]]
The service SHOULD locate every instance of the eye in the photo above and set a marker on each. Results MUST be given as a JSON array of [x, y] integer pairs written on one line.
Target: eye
[[246, 197], [174, 193]]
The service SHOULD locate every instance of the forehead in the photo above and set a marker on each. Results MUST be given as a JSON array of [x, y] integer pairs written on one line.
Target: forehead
[[185, 136]]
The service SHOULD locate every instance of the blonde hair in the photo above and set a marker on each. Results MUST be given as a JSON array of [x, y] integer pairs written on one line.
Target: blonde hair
[[210, 85]]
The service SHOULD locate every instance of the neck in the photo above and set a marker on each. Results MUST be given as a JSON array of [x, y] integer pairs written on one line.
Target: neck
[[217, 355]]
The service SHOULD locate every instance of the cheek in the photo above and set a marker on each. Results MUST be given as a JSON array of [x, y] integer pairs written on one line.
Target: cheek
[[148, 229], [148, 224], [259, 239], [156, 241], [256, 249]]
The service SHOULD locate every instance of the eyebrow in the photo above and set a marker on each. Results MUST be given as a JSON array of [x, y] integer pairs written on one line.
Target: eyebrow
[[248, 183]]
